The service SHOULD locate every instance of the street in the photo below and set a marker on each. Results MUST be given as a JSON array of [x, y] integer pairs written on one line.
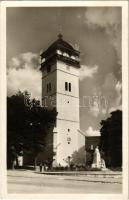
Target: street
[[28, 182]]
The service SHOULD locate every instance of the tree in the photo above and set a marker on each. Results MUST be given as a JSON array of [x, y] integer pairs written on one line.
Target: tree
[[111, 139], [43, 121], [28, 125], [79, 157], [15, 125]]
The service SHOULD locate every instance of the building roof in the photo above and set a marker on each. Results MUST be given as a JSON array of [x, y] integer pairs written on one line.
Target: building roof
[[62, 45]]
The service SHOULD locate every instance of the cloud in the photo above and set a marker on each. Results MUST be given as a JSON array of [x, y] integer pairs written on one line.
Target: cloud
[[87, 71], [110, 82], [118, 88], [113, 91], [103, 16], [104, 111], [91, 132], [14, 63], [23, 73], [108, 19], [112, 109], [117, 104]]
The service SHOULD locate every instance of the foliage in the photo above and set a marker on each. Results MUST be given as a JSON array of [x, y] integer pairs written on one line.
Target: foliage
[[27, 126], [79, 157], [111, 139], [89, 158]]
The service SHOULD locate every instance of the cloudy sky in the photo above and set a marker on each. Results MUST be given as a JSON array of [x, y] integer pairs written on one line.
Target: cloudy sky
[[96, 32]]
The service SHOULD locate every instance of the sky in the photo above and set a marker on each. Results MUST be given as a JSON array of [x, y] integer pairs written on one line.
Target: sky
[[94, 31]]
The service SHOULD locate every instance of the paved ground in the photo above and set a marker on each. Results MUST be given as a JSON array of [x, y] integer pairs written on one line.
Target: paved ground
[[20, 181]]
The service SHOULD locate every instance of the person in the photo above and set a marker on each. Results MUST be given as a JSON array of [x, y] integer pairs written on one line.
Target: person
[[40, 167]]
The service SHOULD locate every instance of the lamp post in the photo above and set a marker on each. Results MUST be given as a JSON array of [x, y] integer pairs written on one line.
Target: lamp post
[[69, 158]]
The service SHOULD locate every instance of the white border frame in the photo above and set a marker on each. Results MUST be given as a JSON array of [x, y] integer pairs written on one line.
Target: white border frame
[[3, 88]]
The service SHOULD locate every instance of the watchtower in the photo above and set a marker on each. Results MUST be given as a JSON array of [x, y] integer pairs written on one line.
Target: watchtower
[[60, 65]]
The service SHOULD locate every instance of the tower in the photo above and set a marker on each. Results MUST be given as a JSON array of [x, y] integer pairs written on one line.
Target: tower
[[60, 88]]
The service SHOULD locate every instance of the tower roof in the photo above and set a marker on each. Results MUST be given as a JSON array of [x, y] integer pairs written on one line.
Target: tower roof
[[62, 45], [60, 50]]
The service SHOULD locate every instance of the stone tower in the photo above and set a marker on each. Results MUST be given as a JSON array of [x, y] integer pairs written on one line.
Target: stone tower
[[60, 88]]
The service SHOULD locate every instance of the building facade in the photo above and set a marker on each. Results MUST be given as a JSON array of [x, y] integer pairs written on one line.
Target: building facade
[[60, 88], [91, 142]]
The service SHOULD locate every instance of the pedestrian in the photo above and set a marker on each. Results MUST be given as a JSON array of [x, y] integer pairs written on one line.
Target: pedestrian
[[40, 167]]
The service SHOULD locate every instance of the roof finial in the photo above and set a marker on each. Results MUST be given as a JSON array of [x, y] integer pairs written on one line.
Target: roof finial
[[60, 36]]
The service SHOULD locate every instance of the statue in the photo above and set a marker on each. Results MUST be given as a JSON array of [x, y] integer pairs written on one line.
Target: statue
[[96, 159], [98, 162]]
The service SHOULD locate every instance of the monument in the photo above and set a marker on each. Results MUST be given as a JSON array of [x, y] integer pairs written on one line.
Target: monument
[[98, 162]]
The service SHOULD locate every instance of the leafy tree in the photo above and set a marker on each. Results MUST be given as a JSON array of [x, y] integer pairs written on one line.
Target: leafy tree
[[111, 139], [28, 125], [79, 157], [15, 125]]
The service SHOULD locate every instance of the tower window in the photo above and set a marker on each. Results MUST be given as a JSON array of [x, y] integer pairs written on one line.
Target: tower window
[[55, 125], [48, 69], [66, 86], [68, 130], [50, 87], [69, 87], [47, 88]]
